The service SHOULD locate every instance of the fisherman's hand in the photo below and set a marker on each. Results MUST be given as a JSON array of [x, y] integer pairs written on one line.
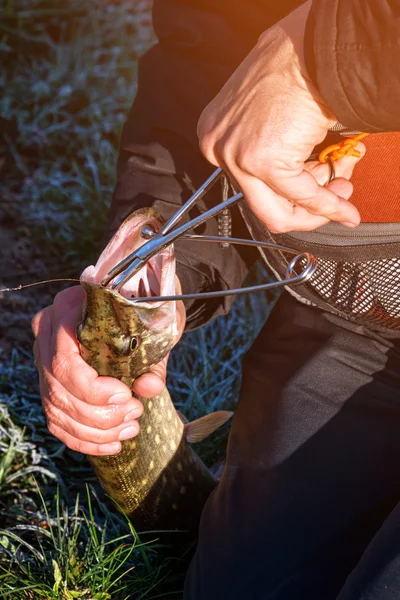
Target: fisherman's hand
[[90, 414], [264, 124]]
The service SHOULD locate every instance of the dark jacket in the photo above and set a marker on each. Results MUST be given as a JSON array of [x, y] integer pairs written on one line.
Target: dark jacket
[[351, 47], [356, 58]]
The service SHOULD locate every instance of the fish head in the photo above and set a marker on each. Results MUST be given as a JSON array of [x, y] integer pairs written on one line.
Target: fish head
[[117, 336]]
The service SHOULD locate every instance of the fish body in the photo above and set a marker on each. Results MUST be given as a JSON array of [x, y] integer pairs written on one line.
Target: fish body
[[156, 479]]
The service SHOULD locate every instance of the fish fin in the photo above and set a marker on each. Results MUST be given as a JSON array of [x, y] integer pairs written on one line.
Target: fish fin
[[182, 417], [198, 430]]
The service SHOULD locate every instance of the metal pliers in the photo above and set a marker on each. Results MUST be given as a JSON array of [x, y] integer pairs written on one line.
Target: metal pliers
[[168, 234]]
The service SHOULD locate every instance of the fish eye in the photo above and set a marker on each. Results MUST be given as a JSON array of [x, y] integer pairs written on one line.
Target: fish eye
[[129, 346], [133, 343]]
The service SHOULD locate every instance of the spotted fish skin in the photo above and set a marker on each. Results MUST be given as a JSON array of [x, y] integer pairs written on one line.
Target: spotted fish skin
[[156, 479]]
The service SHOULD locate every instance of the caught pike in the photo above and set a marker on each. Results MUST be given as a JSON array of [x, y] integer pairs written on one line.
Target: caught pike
[[156, 479]]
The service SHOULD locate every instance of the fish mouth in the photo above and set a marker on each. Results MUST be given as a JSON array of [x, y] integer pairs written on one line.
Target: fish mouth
[[155, 278]]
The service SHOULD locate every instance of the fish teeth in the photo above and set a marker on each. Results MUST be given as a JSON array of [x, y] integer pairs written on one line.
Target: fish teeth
[[141, 288]]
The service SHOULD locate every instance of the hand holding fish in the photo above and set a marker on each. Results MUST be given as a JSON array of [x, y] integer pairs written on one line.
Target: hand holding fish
[[90, 414]]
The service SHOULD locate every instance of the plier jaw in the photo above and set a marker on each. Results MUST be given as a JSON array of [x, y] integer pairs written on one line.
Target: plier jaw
[[169, 233]]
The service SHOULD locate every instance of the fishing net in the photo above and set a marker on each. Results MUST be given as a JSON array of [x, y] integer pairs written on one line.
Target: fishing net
[[367, 292], [358, 272]]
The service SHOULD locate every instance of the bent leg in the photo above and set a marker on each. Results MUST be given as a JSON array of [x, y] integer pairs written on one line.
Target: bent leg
[[312, 462], [377, 575]]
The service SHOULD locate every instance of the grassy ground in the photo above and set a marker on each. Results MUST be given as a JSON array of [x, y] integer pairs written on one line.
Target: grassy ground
[[69, 79]]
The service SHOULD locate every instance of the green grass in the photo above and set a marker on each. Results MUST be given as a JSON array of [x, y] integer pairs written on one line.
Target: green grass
[[68, 81], [74, 555]]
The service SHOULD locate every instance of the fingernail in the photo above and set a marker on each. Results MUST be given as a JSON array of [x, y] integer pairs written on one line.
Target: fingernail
[[110, 448], [348, 224], [127, 433], [133, 414], [120, 398]]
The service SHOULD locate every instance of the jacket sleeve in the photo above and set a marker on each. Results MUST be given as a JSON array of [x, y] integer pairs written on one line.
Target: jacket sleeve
[[355, 60]]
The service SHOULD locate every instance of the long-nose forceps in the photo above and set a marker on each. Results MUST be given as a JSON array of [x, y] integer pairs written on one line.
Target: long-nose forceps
[[169, 233]]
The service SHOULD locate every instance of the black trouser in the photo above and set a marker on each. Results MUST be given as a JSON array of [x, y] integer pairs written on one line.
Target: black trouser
[[312, 469]]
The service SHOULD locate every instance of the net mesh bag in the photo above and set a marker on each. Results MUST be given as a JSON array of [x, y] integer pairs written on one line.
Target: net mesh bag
[[358, 279], [366, 292]]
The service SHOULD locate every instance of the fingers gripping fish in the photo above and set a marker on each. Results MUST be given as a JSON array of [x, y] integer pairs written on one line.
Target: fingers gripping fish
[[157, 479]]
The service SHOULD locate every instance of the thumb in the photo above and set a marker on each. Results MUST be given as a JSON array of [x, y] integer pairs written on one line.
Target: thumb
[[152, 383], [343, 168]]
